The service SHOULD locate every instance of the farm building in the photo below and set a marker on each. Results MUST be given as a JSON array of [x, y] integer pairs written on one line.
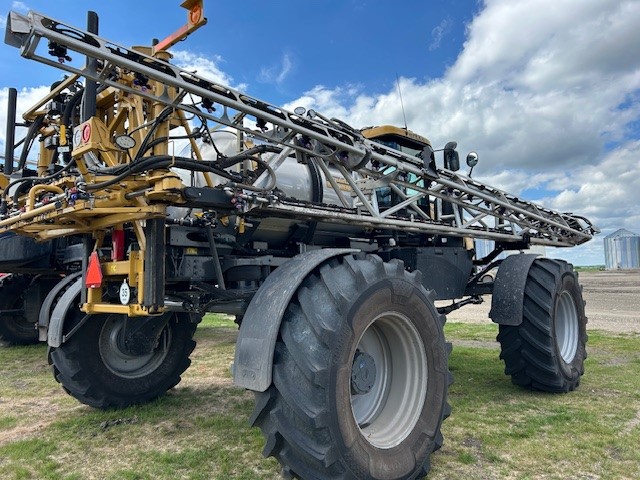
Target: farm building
[[622, 250]]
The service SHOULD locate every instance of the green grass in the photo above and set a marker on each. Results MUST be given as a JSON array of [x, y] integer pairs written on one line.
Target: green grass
[[509, 432], [199, 430], [589, 268]]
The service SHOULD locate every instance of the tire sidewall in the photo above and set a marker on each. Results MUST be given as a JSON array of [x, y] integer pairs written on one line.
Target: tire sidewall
[[401, 296]]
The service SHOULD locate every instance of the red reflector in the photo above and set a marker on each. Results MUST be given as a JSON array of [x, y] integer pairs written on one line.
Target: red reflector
[[86, 133], [117, 245], [94, 272]]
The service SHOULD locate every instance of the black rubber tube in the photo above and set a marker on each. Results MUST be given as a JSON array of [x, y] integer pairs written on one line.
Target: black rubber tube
[[10, 138]]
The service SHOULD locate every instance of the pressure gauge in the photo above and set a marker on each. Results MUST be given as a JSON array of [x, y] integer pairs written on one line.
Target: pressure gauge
[[125, 142], [77, 137]]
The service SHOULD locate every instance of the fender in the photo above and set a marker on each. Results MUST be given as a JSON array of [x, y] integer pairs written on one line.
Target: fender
[[60, 311], [508, 290], [44, 316], [252, 368]]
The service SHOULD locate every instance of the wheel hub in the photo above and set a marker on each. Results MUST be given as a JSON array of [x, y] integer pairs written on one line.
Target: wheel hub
[[119, 359], [363, 373]]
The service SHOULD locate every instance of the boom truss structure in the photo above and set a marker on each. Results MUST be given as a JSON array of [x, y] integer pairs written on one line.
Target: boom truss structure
[[433, 200]]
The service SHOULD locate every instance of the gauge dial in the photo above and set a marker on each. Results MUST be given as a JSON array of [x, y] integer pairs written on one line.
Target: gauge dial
[[125, 142]]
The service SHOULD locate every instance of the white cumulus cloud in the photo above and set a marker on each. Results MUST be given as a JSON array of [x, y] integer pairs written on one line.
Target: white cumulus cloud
[[546, 92], [277, 73], [27, 98], [205, 67]]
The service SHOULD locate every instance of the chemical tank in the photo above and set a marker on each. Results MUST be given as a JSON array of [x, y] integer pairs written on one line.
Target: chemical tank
[[294, 178]]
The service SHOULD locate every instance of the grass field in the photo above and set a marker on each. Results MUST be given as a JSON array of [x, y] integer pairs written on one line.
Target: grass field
[[199, 430]]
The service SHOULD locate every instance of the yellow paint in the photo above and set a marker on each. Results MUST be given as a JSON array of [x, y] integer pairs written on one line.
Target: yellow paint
[[342, 184]]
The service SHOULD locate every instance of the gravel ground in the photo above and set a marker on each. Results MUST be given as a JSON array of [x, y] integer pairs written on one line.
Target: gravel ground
[[613, 302]]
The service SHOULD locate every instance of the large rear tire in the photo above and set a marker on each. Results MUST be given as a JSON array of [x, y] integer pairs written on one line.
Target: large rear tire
[[547, 350], [15, 327], [360, 375], [92, 367]]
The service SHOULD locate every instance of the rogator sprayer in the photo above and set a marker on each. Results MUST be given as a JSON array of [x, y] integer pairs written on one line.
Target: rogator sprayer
[[328, 243]]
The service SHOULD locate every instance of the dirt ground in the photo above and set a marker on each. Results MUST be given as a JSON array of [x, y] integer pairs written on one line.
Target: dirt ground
[[613, 302]]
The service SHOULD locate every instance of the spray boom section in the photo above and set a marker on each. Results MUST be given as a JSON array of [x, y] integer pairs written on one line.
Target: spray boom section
[[120, 165]]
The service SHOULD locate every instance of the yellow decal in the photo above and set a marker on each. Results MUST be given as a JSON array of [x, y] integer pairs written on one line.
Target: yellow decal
[[342, 184]]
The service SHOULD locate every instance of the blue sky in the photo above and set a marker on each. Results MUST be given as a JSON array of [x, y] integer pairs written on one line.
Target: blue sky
[[280, 49], [546, 91]]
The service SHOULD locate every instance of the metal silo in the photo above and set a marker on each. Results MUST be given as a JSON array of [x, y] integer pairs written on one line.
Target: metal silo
[[622, 250]]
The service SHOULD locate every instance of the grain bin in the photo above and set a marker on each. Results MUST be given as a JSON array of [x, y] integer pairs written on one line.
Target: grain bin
[[622, 250]]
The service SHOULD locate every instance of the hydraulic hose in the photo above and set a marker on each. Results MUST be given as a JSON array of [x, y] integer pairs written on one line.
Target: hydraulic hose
[[28, 141], [36, 179], [144, 146], [66, 118], [166, 161]]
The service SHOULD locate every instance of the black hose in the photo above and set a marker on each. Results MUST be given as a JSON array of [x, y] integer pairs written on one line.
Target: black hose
[[66, 120], [37, 123], [21, 189], [247, 154], [226, 162], [161, 161], [34, 128], [35, 180], [144, 146], [160, 140], [70, 106], [166, 161]]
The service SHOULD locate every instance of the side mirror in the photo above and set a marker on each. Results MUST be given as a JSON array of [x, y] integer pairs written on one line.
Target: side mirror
[[472, 161], [451, 157]]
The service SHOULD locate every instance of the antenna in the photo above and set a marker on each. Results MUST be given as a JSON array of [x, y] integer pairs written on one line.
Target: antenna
[[404, 116]]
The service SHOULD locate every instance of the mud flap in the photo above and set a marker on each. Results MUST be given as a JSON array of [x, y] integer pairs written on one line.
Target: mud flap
[[60, 312], [44, 317], [261, 322], [508, 290]]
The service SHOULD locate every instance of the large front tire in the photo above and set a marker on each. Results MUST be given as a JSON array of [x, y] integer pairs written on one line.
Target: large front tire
[[360, 375], [547, 350], [93, 368]]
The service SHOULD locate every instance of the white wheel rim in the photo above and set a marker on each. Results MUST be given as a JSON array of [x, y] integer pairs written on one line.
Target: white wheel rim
[[388, 412], [123, 364], [566, 327]]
